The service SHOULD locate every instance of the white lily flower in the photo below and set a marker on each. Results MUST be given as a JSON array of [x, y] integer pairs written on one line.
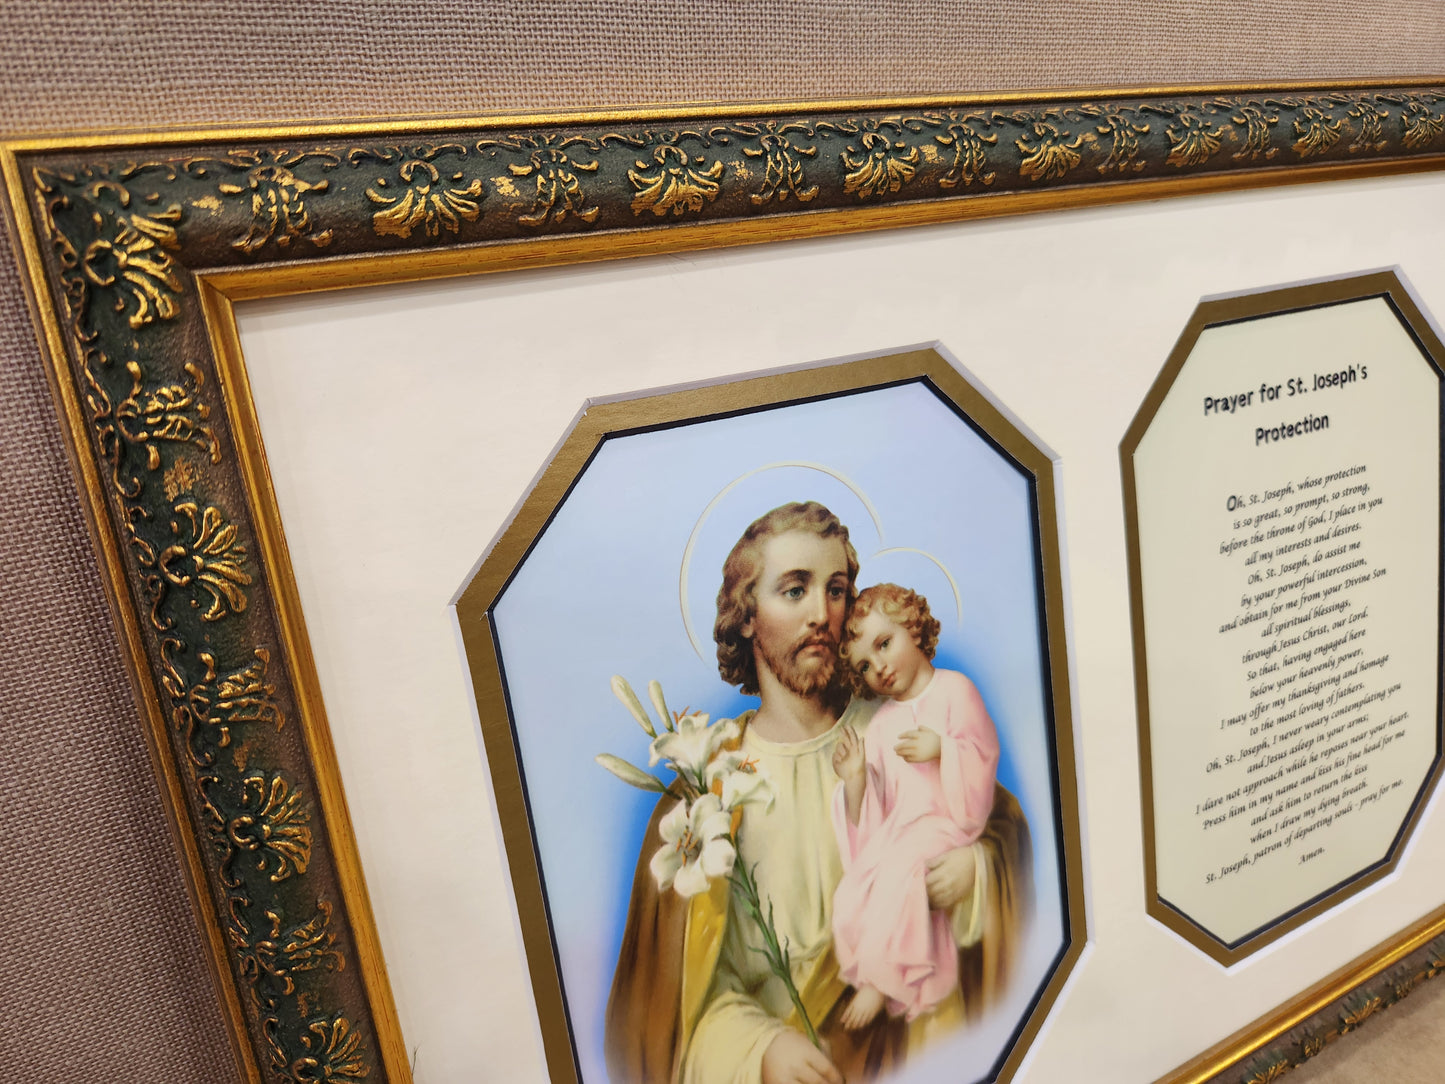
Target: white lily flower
[[696, 847], [693, 744], [654, 691], [624, 693], [743, 780], [629, 773]]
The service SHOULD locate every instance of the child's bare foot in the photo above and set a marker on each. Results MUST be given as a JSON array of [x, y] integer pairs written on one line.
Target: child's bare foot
[[866, 1004]]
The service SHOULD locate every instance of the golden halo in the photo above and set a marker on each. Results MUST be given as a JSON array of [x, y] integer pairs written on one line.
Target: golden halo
[[686, 566], [952, 583]]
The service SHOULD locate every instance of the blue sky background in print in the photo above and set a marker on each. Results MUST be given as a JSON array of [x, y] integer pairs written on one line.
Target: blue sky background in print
[[602, 594]]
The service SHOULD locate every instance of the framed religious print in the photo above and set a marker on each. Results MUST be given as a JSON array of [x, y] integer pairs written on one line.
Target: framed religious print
[[489, 507], [853, 838]]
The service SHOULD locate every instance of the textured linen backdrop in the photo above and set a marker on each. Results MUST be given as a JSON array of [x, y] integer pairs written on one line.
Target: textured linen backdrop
[[102, 975]]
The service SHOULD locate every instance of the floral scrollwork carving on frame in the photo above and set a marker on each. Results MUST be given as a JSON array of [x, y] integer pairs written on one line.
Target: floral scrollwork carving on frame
[[1368, 120], [553, 168], [1123, 131], [882, 160], [674, 182], [1192, 140], [970, 152], [1422, 124], [1269, 1072], [1316, 131], [277, 193], [162, 412], [1049, 153], [333, 1055], [209, 557], [133, 259], [274, 825], [1256, 118], [216, 703], [274, 957], [782, 159], [422, 198]]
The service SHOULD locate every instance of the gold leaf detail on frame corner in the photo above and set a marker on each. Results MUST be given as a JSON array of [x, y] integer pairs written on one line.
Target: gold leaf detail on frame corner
[[1256, 118], [212, 558], [879, 164], [170, 412], [674, 182], [1192, 141], [274, 824], [782, 165], [278, 211], [1315, 131], [333, 1055], [426, 202], [970, 154], [135, 260]]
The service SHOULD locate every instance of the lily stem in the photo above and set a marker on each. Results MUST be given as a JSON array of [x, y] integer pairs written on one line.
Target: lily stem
[[776, 954]]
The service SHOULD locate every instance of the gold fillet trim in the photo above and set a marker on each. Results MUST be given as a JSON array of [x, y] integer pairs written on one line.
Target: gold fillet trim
[[235, 392], [155, 727], [660, 409], [296, 277], [1319, 997], [384, 124]]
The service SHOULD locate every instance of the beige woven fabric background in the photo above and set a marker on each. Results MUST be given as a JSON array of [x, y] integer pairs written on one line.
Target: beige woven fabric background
[[101, 971]]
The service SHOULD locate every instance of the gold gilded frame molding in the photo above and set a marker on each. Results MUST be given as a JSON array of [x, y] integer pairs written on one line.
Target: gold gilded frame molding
[[137, 245]]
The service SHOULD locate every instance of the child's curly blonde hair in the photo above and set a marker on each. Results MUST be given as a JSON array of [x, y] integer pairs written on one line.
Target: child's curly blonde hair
[[905, 608]]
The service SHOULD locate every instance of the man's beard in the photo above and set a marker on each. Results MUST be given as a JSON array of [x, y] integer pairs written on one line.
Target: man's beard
[[800, 677]]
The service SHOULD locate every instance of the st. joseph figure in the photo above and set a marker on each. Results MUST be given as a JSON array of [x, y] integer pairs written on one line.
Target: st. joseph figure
[[692, 1002]]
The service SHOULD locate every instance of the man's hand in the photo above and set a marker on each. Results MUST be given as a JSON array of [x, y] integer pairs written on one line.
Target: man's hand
[[848, 758], [949, 879], [919, 745], [791, 1059]]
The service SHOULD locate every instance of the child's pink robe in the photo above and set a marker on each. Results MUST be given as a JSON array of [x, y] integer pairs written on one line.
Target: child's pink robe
[[884, 933]]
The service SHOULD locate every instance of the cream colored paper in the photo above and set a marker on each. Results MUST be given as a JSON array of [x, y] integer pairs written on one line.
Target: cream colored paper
[[1289, 529]]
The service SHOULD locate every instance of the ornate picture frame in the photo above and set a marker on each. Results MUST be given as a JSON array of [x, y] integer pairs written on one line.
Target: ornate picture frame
[[138, 246]]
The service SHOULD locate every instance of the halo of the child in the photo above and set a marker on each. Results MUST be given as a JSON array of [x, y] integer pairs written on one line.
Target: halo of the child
[[685, 568]]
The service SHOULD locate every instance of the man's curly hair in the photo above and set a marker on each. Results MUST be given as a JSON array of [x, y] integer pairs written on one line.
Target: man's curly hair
[[737, 602], [905, 608]]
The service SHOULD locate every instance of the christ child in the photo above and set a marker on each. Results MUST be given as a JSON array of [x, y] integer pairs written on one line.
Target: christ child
[[919, 783]]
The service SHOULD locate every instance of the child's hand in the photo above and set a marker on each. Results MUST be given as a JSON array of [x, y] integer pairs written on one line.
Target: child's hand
[[848, 758], [919, 745]]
